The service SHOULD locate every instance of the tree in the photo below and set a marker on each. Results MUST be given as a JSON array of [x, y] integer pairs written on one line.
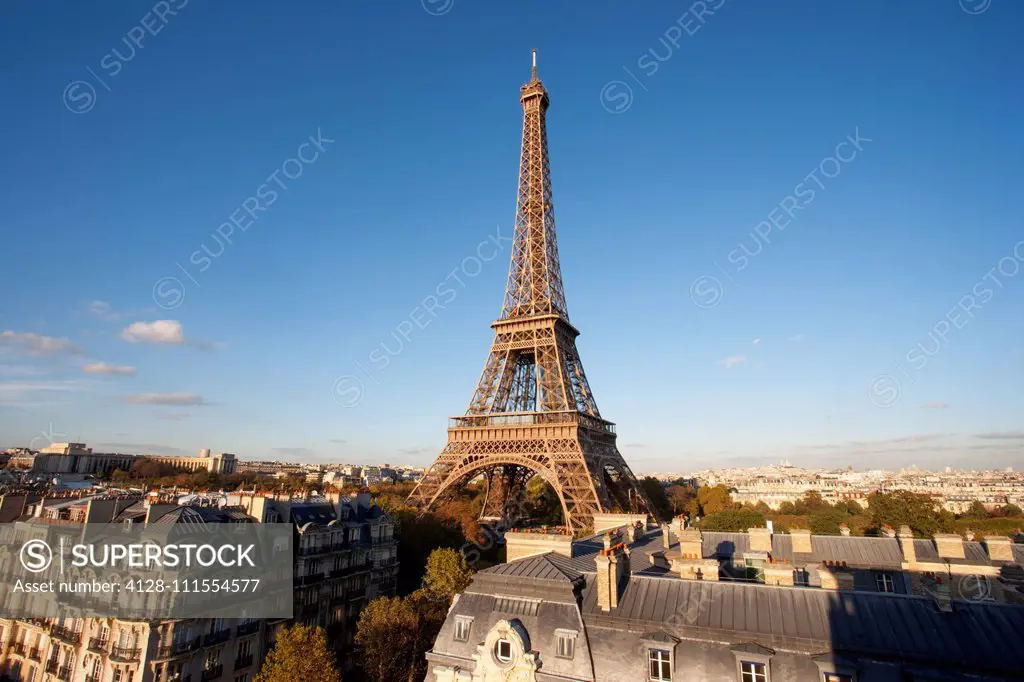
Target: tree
[[1007, 510], [714, 499], [826, 522], [977, 511], [787, 508], [300, 653], [737, 520], [655, 492], [902, 507], [811, 502], [387, 633], [542, 503], [683, 500], [447, 574], [417, 536]]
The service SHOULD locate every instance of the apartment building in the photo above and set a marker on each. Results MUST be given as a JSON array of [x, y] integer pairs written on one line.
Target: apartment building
[[650, 604]]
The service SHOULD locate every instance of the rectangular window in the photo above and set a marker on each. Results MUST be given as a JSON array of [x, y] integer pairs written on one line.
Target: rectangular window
[[661, 665], [884, 583], [566, 646], [836, 677], [242, 678], [462, 626], [753, 672]]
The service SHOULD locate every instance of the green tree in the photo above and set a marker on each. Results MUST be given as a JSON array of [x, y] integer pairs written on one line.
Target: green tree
[[300, 653], [977, 511], [683, 500], [826, 522], [737, 520], [811, 502], [542, 503], [447, 574], [787, 508], [902, 507], [417, 536], [655, 492], [1007, 510]]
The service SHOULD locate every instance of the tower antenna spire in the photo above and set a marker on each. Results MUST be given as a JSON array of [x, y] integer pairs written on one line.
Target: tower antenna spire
[[534, 63]]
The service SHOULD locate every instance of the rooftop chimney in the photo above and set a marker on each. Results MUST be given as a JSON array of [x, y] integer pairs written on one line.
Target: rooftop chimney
[[844, 530], [949, 545], [801, 539], [907, 544], [612, 573], [887, 531], [760, 539], [999, 547], [691, 543], [634, 532], [834, 577], [666, 537], [519, 544]]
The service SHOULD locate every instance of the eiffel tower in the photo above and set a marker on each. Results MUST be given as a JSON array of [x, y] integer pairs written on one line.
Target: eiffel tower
[[533, 412]]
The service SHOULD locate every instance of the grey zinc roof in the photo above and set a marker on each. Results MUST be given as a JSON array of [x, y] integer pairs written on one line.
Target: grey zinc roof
[[540, 567], [974, 553], [909, 628]]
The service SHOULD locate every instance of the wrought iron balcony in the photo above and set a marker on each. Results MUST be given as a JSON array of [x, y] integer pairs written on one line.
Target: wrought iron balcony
[[243, 661], [211, 673], [51, 667], [98, 644], [248, 628], [125, 654], [35, 653], [18, 649], [218, 637], [93, 677], [65, 634], [64, 673]]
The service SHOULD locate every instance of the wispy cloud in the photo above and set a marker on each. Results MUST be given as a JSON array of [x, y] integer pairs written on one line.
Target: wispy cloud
[[104, 368], [101, 310], [339, 441], [733, 360], [34, 344], [159, 332], [756, 342], [415, 451], [635, 445], [293, 452], [935, 406], [173, 416], [1001, 435], [140, 448], [179, 399]]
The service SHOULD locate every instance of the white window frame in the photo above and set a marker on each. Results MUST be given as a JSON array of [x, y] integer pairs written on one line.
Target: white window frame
[[660, 657], [464, 625], [755, 675], [565, 644], [883, 581], [497, 650]]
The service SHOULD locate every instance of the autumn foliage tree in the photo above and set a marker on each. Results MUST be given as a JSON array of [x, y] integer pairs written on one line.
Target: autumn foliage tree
[[394, 633], [300, 653]]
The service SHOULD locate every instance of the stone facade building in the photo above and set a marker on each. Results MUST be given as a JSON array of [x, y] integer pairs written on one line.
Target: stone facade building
[[652, 605]]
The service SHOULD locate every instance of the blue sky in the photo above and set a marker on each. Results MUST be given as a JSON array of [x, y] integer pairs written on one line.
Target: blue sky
[[135, 131]]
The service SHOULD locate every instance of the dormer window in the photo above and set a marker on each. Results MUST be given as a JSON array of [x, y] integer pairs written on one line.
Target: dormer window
[[503, 650], [462, 628]]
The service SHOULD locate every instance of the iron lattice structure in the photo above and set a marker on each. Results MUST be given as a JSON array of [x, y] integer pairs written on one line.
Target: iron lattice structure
[[533, 412]]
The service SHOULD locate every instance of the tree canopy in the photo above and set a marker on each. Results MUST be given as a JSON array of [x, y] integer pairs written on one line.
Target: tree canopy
[[300, 653]]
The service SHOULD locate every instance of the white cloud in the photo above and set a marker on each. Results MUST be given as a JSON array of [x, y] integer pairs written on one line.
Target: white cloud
[[165, 399], [36, 344], [104, 368], [173, 416], [757, 341], [733, 360], [159, 332]]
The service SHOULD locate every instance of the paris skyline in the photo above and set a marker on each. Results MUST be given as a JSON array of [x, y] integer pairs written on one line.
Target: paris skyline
[[714, 330]]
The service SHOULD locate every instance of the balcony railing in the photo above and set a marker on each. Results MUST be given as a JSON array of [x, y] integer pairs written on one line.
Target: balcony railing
[[177, 648], [51, 667], [98, 644], [35, 653], [93, 677], [311, 579], [64, 673], [65, 634], [218, 637], [243, 661], [18, 649], [125, 654], [531, 418], [211, 673], [248, 628]]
